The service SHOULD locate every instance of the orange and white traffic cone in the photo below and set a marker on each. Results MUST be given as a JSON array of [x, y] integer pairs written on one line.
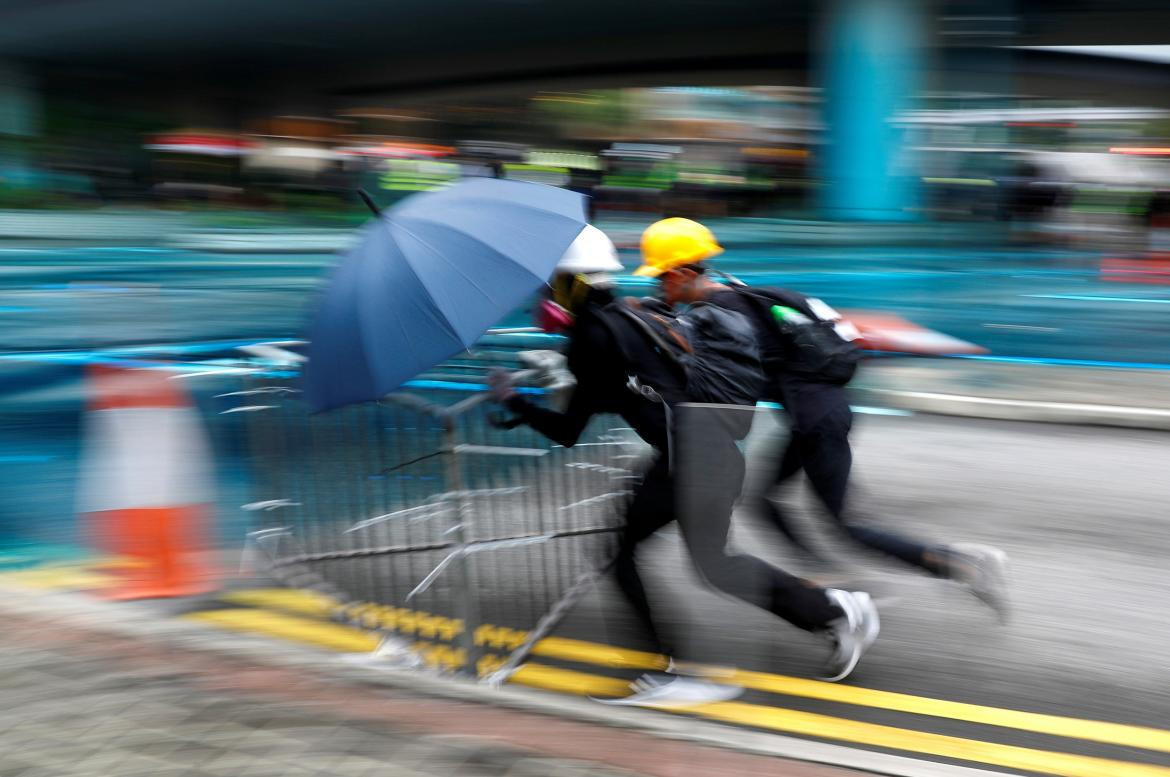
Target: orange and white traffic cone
[[146, 481]]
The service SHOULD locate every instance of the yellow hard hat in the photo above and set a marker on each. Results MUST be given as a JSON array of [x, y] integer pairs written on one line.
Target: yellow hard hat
[[675, 242]]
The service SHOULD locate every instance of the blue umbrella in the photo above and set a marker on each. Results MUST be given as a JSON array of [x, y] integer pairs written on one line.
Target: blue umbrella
[[428, 277]]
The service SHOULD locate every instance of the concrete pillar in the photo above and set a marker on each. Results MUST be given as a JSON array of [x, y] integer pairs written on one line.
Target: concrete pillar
[[870, 55]]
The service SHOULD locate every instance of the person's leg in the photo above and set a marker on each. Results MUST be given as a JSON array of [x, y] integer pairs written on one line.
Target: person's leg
[[709, 474], [650, 508], [828, 459], [788, 464]]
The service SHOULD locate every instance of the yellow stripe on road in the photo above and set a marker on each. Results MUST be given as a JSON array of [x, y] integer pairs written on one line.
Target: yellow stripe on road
[[1056, 725], [568, 681], [72, 577], [839, 729], [1090, 730], [285, 599], [583, 652], [593, 653], [333, 636], [344, 638], [1009, 756]]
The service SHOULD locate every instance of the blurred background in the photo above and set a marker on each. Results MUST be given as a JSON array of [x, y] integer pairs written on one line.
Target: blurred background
[[988, 180], [175, 180]]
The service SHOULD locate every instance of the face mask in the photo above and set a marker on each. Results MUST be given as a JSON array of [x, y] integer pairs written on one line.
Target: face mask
[[551, 317], [569, 291]]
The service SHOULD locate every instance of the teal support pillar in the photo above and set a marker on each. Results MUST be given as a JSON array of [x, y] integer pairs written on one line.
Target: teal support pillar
[[20, 105], [20, 121], [870, 63]]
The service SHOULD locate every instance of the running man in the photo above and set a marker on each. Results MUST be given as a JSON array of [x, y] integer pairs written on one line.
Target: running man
[[818, 413], [604, 349]]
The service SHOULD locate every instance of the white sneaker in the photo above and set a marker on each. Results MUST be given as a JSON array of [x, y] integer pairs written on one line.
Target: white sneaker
[[661, 690], [983, 570], [852, 633]]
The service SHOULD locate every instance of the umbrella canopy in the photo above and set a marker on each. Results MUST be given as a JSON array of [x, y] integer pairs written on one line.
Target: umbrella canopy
[[428, 277]]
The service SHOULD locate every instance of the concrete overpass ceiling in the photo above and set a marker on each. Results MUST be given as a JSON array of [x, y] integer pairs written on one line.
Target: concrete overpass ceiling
[[1092, 22], [278, 31], [363, 48], [274, 33], [366, 47]]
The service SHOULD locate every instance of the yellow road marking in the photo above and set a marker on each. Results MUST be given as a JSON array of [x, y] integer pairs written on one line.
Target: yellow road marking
[[286, 599], [333, 636], [320, 633], [1009, 756], [567, 681], [344, 638], [372, 616], [581, 651], [1056, 725], [60, 578], [594, 653], [840, 729], [1076, 728]]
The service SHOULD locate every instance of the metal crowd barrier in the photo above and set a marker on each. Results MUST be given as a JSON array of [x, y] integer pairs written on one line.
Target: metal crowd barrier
[[420, 518]]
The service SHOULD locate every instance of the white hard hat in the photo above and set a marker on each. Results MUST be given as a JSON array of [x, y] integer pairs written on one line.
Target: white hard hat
[[591, 252]]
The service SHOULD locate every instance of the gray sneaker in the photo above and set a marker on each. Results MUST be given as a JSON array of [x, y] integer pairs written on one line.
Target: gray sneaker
[[983, 570], [852, 633]]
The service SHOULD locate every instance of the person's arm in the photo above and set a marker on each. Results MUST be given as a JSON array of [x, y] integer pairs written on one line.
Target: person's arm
[[562, 428], [587, 356]]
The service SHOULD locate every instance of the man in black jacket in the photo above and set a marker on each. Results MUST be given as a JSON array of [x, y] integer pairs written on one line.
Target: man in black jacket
[[604, 352], [820, 419]]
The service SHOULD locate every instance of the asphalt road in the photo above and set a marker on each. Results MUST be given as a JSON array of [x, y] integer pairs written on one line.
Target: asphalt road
[[1081, 513], [1079, 510]]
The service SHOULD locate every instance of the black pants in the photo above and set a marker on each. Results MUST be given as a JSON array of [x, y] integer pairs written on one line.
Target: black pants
[[710, 469], [822, 451]]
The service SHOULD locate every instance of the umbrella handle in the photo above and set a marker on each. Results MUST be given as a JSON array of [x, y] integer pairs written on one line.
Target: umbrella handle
[[369, 201]]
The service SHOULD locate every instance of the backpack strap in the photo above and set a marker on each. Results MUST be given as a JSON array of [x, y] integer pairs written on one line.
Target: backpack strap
[[638, 315], [767, 297], [761, 305], [607, 315]]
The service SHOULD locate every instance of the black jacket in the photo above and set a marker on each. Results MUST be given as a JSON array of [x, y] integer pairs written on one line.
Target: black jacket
[[807, 402], [596, 360]]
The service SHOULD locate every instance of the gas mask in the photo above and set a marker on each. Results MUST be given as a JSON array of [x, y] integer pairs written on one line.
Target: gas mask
[[551, 317], [564, 296]]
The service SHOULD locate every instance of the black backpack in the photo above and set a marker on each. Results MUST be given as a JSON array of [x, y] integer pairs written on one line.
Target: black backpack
[[712, 351], [812, 348]]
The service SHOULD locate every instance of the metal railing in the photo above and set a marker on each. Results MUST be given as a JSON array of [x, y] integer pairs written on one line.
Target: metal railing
[[420, 517]]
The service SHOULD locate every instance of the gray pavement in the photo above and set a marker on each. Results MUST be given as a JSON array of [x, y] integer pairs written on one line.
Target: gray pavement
[[86, 700]]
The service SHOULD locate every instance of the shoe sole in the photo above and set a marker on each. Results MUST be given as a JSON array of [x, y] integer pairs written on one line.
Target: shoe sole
[[859, 606], [716, 693], [848, 670], [995, 563], [873, 624]]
